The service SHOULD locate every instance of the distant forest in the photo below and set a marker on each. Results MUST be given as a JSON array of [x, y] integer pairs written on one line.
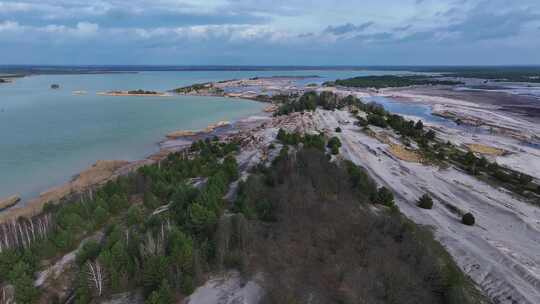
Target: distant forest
[[389, 81], [510, 73]]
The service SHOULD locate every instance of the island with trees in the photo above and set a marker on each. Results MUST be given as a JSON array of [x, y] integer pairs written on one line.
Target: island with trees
[[138, 92], [200, 89]]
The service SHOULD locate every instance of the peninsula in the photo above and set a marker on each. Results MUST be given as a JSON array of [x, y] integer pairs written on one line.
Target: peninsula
[[134, 93]]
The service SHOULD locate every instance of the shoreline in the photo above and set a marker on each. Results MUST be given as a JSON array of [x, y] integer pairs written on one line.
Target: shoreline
[[103, 171]]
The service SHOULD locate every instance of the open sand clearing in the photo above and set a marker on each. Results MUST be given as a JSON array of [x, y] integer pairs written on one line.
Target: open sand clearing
[[402, 153], [227, 288], [501, 253], [484, 149]]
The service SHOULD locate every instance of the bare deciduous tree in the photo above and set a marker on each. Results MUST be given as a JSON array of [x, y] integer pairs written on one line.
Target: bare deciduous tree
[[96, 277]]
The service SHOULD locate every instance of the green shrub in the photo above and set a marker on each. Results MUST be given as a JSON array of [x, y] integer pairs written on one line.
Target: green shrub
[[266, 211], [100, 216], [89, 251], [150, 200], [524, 179], [425, 202], [361, 122], [21, 278], [134, 216], [468, 219], [377, 120], [334, 144], [430, 135], [385, 197]]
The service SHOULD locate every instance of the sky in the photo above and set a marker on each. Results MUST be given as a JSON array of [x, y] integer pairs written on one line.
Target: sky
[[270, 32]]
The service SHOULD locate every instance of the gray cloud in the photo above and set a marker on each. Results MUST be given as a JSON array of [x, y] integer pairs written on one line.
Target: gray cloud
[[114, 15], [269, 32], [402, 28], [347, 28], [481, 24]]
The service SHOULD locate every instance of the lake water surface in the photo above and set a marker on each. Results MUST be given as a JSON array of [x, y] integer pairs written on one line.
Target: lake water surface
[[47, 136]]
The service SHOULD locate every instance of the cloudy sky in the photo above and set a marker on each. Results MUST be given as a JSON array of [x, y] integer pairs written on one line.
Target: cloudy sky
[[270, 32]]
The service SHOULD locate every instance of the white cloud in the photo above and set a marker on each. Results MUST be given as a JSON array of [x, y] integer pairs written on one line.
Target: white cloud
[[81, 30], [86, 28]]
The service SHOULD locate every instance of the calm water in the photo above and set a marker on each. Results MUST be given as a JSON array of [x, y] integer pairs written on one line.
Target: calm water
[[47, 136], [422, 111]]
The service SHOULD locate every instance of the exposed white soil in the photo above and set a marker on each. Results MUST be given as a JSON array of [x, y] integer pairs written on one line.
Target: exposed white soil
[[228, 288], [485, 114], [501, 253], [54, 271], [519, 157]]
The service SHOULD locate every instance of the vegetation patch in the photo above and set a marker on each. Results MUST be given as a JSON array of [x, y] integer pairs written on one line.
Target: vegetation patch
[[468, 219], [487, 150], [425, 202], [311, 100], [200, 88], [405, 154], [389, 81]]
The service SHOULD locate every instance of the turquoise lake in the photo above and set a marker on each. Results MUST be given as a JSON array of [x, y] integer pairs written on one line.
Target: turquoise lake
[[47, 136]]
